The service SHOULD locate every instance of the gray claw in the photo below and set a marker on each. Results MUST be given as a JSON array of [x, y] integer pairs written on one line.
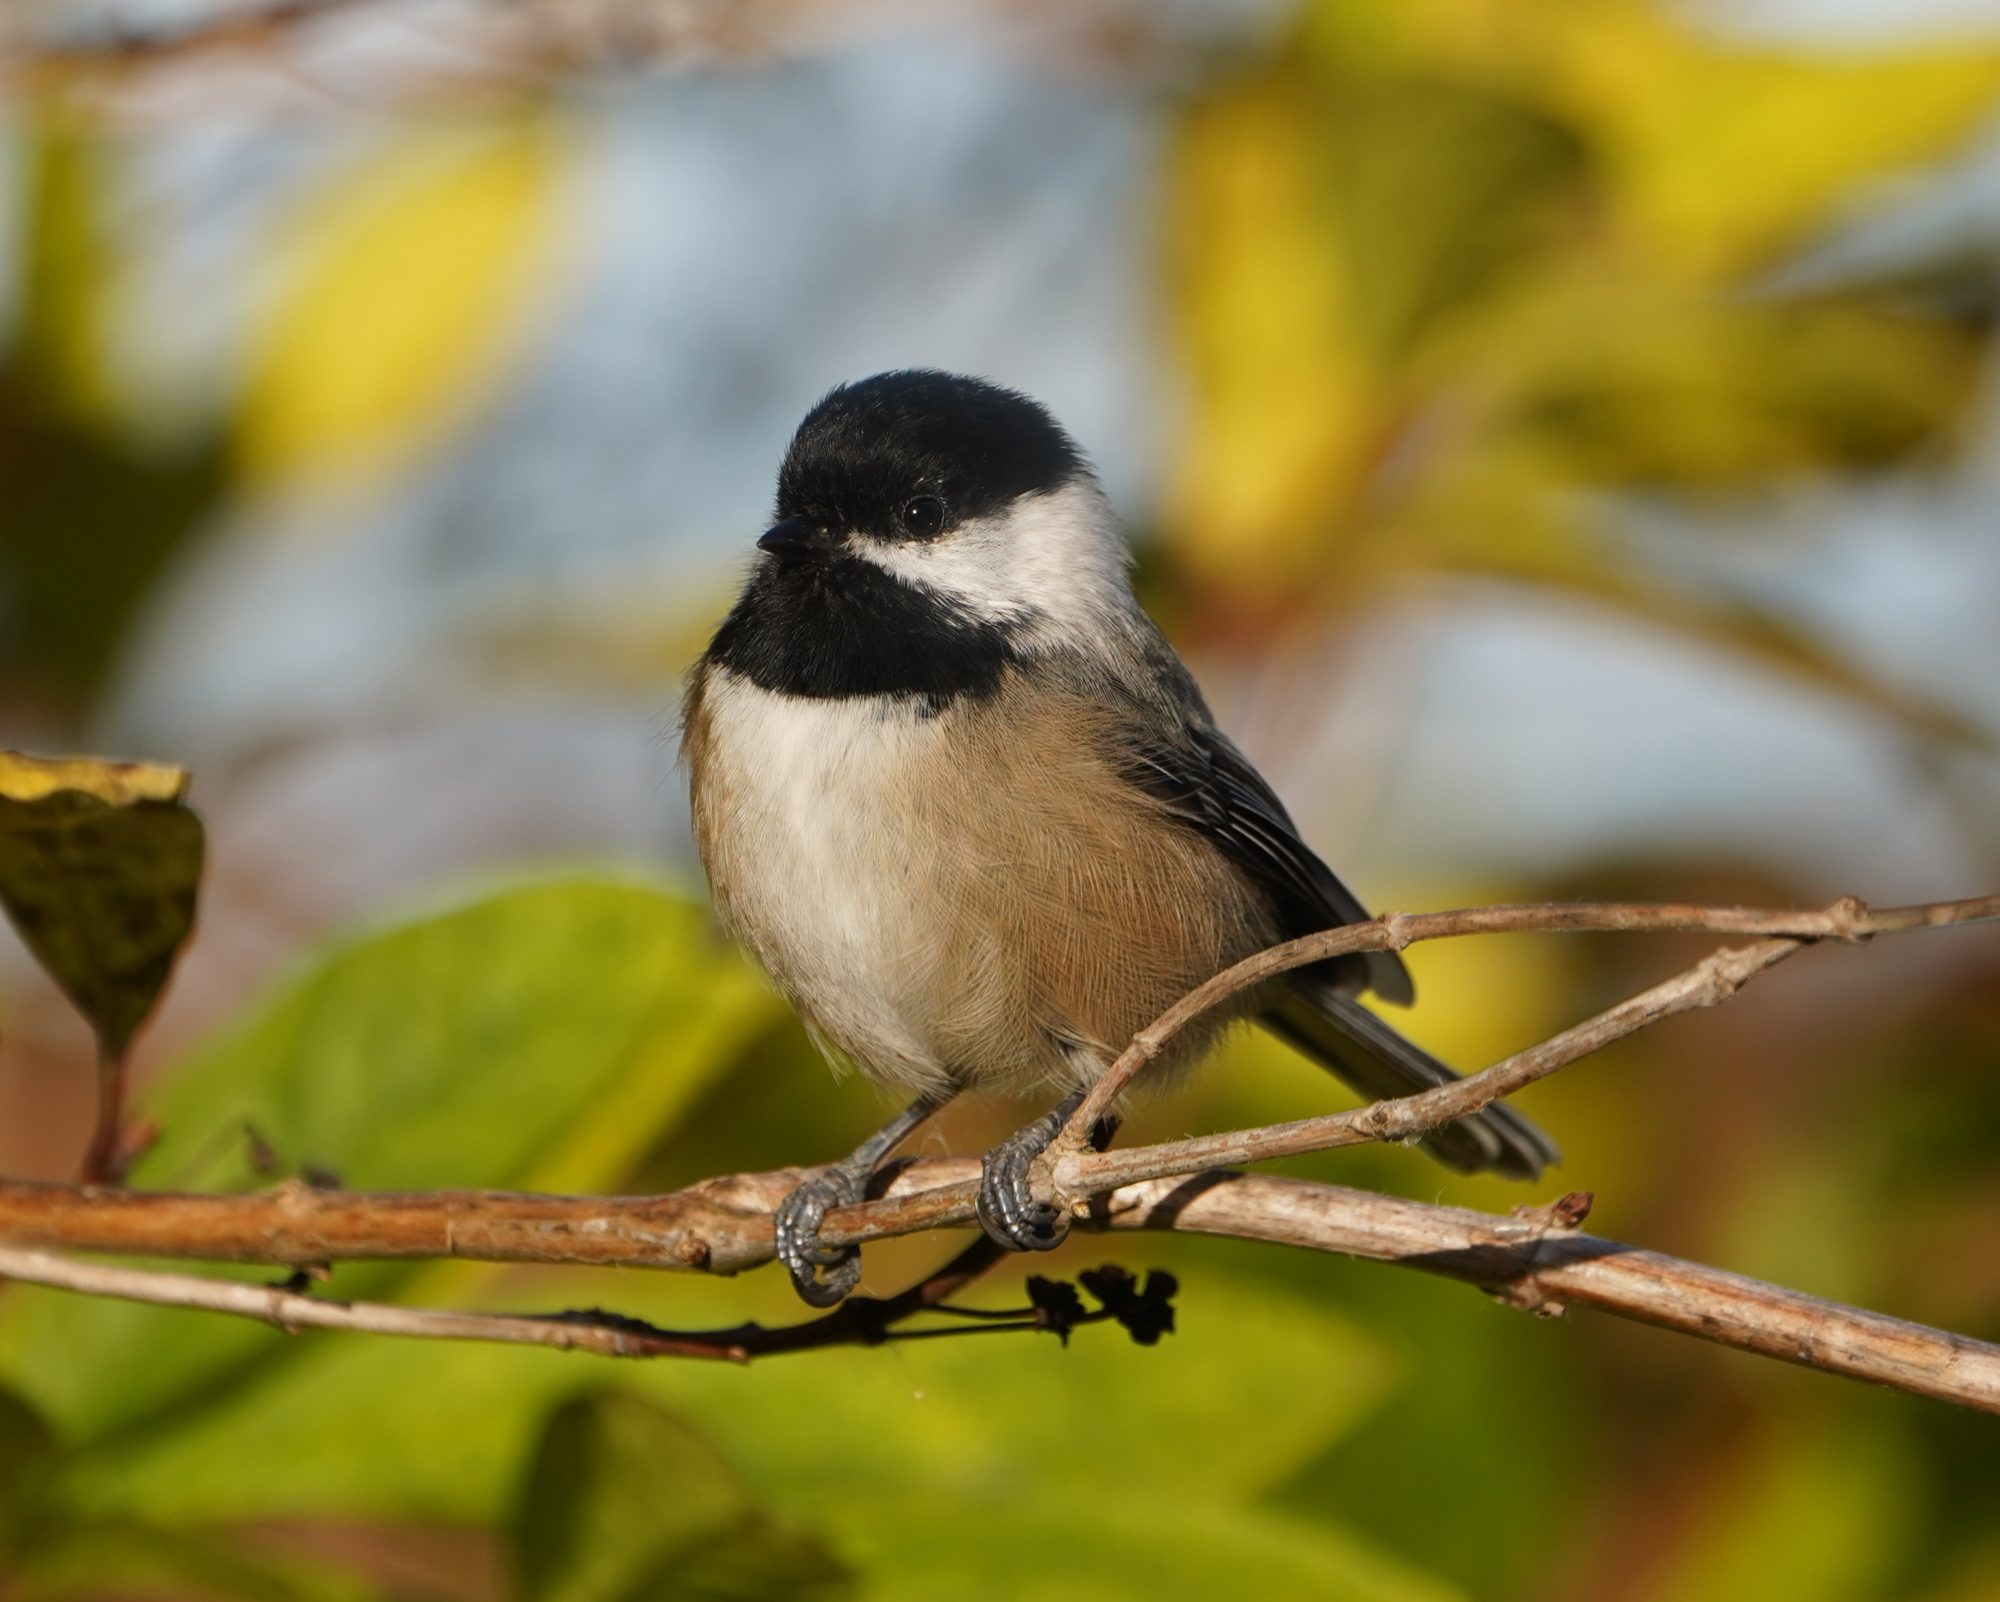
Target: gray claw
[[1006, 1206], [822, 1275]]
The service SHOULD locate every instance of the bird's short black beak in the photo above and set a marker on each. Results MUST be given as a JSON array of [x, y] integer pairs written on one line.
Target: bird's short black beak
[[791, 539]]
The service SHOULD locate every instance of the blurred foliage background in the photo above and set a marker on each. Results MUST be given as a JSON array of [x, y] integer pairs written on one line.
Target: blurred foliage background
[[1563, 435]]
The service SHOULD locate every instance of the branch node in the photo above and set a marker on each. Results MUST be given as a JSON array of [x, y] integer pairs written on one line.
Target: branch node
[[1729, 970], [1565, 1212], [1849, 918], [1382, 1120], [293, 1194], [1524, 1295]]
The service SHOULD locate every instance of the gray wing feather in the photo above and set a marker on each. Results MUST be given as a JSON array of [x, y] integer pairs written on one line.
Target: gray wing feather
[[1212, 785], [1206, 781]]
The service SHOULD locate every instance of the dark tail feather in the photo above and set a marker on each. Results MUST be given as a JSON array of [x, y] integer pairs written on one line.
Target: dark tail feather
[[1339, 1033]]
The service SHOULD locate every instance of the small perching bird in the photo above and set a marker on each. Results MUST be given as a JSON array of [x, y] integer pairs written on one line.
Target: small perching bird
[[965, 805]]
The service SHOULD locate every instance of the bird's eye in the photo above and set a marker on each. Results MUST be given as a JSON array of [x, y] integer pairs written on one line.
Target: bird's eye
[[922, 516]]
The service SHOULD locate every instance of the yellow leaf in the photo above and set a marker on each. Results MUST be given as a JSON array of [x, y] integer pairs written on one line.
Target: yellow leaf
[[1737, 158], [68, 270], [1281, 387], [1634, 382], [1458, 243], [1722, 155], [26, 778], [407, 281]]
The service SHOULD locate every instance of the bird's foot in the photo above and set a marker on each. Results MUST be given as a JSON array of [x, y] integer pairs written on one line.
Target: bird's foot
[[822, 1275], [1007, 1207]]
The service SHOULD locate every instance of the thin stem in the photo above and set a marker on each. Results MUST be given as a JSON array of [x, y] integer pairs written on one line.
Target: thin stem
[[103, 1161], [1079, 1175], [859, 1321], [1846, 919]]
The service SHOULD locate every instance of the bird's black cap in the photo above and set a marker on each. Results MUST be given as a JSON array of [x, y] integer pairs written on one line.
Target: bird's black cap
[[869, 447]]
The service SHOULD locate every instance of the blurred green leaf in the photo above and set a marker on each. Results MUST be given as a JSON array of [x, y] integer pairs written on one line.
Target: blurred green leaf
[[943, 1417], [540, 1037], [1495, 1417], [27, 1455], [624, 1503], [48, 1551], [976, 1418], [99, 862], [1118, 1544]]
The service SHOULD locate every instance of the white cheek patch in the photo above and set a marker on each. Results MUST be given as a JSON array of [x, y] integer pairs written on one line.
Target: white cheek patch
[[968, 566], [1055, 560]]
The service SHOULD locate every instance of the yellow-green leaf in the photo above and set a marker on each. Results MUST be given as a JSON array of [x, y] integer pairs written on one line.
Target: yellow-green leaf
[[543, 1034], [1736, 158], [1722, 154], [98, 867], [67, 270], [1437, 268], [27, 1452]]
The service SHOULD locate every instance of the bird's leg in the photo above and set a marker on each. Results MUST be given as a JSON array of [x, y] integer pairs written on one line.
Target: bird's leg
[[1006, 1205], [823, 1275]]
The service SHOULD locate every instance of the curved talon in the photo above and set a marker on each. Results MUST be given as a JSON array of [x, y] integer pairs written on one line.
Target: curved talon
[[822, 1275], [1006, 1204], [833, 1287]]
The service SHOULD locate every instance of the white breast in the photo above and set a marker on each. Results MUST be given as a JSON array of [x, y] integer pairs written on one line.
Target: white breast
[[798, 804]]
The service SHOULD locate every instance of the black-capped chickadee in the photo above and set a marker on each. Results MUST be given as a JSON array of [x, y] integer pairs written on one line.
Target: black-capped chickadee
[[966, 806]]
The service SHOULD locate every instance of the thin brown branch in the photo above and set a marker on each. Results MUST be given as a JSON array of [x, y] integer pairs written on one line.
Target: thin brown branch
[[291, 1310], [1531, 1262], [859, 1321], [1079, 1175], [725, 1224], [1536, 1263], [1846, 919], [511, 43], [225, 27]]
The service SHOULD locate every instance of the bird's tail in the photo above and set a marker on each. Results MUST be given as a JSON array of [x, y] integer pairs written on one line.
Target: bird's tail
[[1340, 1034]]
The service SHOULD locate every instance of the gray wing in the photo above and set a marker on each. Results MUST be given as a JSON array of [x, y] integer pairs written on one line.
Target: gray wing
[[1205, 780]]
